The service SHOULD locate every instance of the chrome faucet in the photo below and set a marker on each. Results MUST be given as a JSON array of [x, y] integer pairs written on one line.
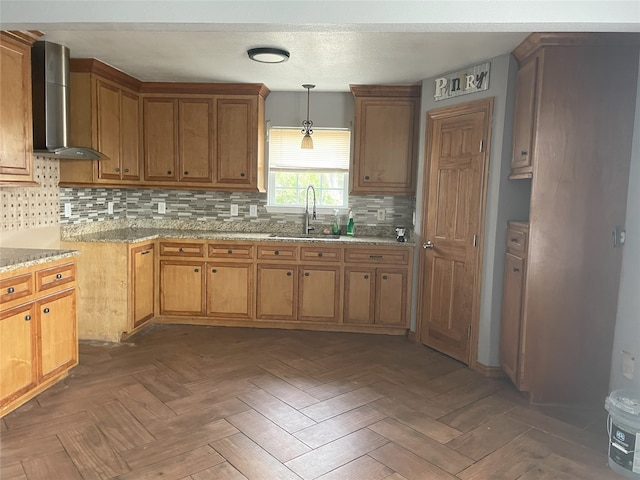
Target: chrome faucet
[[307, 227]]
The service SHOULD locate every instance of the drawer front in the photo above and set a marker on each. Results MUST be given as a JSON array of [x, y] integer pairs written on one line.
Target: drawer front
[[178, 249], [321, 254], [516, 242], [13, 288], [376, 256], [277, 252], [217, 250], [55, 276]]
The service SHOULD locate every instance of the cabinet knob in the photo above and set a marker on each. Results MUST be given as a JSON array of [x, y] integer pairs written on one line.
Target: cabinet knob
[[288, 274], [196, 269], [306, 274], [242, 174], [58, 276], [27, 318], [366, 177], [229, 251], [46, 310], [11, 290], [523, 153], [516, 269], [384, 277], [366, 277], [181, 249], [186, 173], [117, 169], [319, 254], [126, 170], [168, 172], [514, 240], [277, 252], [213, 270]]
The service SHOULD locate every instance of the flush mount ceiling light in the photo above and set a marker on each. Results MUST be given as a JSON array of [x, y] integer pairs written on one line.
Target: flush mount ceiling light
[[268, 55], [307, 141]]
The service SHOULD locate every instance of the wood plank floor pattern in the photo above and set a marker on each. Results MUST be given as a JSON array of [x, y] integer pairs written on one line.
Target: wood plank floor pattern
[[204, 403]]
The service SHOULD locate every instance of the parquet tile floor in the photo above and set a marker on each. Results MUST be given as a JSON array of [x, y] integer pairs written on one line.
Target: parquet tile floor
[[204, 403]]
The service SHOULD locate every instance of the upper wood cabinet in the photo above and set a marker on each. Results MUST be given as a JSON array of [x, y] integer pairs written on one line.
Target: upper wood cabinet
[[386, 123], [16, 136]]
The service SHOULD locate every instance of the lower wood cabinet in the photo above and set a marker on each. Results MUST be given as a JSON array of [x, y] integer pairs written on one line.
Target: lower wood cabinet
[[277, 289], [38, 332], [319, 293], [182, 287], [230, 290]]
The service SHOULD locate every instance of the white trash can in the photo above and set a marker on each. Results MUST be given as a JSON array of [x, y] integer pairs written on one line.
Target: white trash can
[[624, 432]]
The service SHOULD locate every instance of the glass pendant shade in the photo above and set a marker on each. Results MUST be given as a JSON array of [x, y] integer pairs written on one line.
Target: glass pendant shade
[[307, 142]]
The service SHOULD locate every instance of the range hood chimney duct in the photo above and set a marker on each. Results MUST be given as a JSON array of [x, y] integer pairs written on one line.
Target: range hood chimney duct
[[50, 87]]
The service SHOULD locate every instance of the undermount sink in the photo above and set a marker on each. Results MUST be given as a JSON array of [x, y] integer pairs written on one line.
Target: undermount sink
[[305, 237]]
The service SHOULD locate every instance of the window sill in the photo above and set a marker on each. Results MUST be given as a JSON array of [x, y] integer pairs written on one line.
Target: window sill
[[300, 210]]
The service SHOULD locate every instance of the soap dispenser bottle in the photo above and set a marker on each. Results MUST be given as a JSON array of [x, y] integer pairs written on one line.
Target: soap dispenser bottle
[[336, 223], [350, 224]]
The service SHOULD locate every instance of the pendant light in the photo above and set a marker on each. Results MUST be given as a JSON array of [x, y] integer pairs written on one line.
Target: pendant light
[[307, 141]]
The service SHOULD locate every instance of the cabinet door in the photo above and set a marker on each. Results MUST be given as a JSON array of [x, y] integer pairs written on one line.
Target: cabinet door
[[108, 130], [236, 131], [510, 329], [182, 288], [142, 281], [195, 138], [391, 297], [359, 295], [524, 119], [277, 289], [58, 333], [319, 291], [130, 136], [384, 146], [160, 118], [18, 371], [230, 290], [16, 147]]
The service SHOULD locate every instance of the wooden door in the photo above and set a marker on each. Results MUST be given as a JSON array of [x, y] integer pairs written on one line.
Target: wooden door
[[108, 130], [510, 328], [130, 143], [236, 127], [143, 285], [524, 118], [160, 119], [451, 229], [195, 139], [359, 295], [182, 286], [18, 370], [58, 333], [16, 146], [391, 297], [319, 293], [230, 290], [277, 289]]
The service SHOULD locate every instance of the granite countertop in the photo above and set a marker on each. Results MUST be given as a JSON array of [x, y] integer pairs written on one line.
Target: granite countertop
[[130, 235], [13, 258]]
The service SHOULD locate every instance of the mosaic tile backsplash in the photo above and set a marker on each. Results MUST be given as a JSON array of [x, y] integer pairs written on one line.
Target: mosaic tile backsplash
[[23, 208], [91, 205]]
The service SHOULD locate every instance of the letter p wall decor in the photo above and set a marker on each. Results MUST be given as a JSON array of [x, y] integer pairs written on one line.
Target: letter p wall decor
[[470, 80]]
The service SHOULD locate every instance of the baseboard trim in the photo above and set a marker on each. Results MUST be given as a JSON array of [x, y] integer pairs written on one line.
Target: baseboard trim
[[412, 337], [490, 372]]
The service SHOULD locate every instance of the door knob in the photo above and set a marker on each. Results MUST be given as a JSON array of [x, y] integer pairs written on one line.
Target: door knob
[[428, 244]]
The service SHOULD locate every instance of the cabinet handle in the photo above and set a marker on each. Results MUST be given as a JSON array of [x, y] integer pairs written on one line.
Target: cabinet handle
[[384, 277], [11, 290], [46, 310], [277, 252], [514, 240], [366, 277], [366, 177], [213, 270], [58, 276], [375, 256], [196, 269], [288, 274], [523, 153], [319, 254], [145, 252], [126, 170], [242, 174], [117, 169], [27, 318], [229, 251], [516, 269]]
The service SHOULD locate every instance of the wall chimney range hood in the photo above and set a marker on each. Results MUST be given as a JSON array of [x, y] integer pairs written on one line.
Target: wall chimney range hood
[[50, 87]]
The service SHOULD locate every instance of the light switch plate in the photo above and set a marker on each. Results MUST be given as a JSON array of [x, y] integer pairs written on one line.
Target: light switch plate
[[67, 210], [234, 209], [628, 365], [253, 210], [382, 214], [162, 207], [110, 207]]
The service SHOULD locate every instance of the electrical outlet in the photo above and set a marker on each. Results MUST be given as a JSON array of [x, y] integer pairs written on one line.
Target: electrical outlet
[[234, 209], [162, 207], [628, 365], [253, 210], [110, 207], [67, 210], [382, 214]]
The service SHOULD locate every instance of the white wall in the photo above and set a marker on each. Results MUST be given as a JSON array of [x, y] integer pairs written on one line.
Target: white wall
[[506, 200], [289, 109], [627, 333]]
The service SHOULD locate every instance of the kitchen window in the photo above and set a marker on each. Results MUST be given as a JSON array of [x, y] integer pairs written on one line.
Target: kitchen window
[[292, 169]]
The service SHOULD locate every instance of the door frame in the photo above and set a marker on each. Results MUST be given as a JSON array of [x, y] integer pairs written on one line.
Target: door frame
[[483, 105]]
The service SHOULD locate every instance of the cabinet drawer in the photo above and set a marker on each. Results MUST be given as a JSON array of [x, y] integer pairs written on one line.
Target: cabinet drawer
[[276, 252], [321, 254], [55, 276], [13, 288], [517, 241], [217, 250], [376, 256], [176, 249]]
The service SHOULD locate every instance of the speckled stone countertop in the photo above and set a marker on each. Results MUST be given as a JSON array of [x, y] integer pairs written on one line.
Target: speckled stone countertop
[[14, 258], [130, 235]]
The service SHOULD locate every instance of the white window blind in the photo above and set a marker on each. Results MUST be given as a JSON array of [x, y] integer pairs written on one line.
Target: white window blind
[[330, 150]]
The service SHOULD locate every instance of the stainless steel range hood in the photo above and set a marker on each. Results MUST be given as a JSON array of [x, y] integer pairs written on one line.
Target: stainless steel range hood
[[50, 86]]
